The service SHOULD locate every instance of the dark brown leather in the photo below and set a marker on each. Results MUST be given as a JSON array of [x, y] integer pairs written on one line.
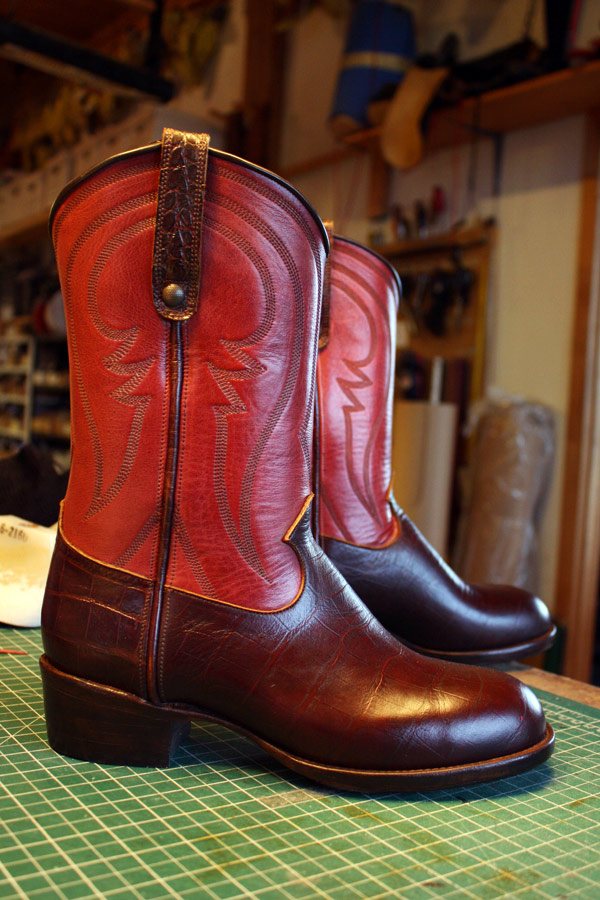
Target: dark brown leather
[[417, 596], [321, 679], [179, 213], [175, 389], [95, 620]]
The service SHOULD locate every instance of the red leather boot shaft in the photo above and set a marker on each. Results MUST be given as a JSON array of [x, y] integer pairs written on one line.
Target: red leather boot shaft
[[355, 374], [103, 235], [378, 550], [247, 375]]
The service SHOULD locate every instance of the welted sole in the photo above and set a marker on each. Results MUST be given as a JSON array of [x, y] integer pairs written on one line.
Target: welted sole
[[95, 723], [492, 656]]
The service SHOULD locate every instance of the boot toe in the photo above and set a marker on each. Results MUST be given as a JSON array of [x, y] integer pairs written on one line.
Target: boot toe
[[506, 718], [447, 714], [519, 615], [523, 723]]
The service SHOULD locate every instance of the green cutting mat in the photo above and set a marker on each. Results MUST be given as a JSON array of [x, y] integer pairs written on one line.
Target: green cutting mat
[[228, 822]]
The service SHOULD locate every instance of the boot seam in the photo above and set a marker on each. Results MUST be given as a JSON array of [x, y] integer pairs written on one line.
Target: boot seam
[[175, 376]]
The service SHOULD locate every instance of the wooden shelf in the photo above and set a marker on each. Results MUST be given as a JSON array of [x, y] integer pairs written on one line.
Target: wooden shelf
[[7, 369], [438, 243], [449, 347], [569, 92], [24, 229], [537, 101], [13, 433], [15, 338], [53, 432], [59, 383]]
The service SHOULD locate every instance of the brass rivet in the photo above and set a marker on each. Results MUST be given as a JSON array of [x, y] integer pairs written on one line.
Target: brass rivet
[[173, 296]]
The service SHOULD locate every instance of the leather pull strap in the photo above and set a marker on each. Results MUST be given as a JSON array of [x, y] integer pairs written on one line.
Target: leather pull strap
[[326, 299], [176, 266]]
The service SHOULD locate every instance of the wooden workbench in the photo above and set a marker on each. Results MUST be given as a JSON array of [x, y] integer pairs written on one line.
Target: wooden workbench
[[225, 821]]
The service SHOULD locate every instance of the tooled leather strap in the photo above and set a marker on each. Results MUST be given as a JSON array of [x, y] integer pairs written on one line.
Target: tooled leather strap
[[176, 265], [326, 298]]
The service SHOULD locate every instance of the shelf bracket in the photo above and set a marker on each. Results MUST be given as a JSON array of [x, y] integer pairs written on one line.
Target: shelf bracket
[[497, 138]]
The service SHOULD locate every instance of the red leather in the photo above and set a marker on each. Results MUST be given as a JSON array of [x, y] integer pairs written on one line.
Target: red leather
[[248, 375], [356, 395], [321, 679], [103, 237]]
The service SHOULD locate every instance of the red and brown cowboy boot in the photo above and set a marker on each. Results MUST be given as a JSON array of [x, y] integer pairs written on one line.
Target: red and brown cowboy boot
[[186, 583], [375, 546]]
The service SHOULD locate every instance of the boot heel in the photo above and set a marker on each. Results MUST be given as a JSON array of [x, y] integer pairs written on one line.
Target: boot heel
[[99, 724]]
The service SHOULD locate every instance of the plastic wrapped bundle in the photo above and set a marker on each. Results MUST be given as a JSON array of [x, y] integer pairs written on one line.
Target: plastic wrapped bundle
[[509, 482]]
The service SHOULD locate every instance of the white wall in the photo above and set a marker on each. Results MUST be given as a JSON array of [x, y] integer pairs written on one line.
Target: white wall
[[533, 278], [534, 286], [314, 51]]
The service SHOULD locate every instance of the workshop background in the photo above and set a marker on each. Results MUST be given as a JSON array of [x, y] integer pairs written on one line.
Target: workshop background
[[502, 191]]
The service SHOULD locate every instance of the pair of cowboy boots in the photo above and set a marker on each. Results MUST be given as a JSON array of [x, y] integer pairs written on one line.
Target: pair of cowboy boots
[[186, 581]]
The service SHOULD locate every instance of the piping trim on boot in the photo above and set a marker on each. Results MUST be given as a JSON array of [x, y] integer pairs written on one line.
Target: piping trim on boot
[[286, 538], [176, 286]]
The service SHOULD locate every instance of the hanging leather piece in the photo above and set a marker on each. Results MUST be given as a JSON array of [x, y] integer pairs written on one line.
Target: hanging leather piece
[[177, 261]]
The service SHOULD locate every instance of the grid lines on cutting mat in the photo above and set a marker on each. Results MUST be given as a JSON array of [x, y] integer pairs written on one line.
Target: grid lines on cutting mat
[[226, 821]]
